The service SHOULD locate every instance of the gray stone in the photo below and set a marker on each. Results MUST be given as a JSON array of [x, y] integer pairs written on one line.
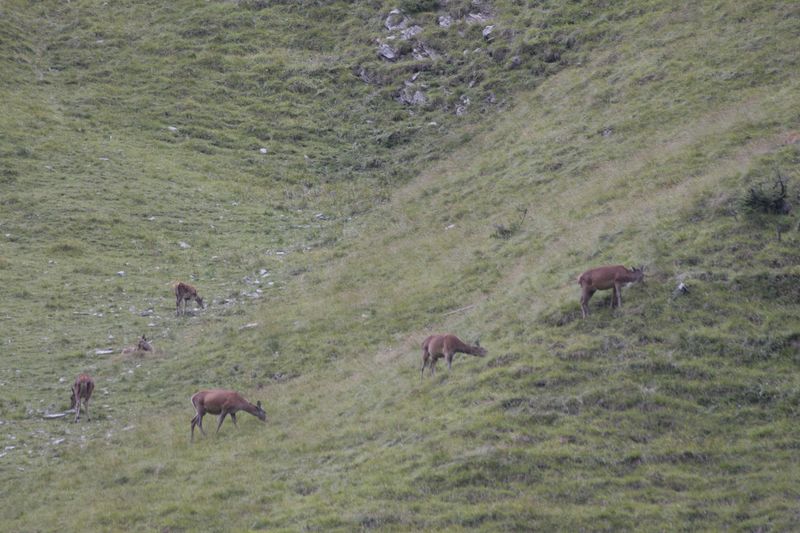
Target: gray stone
[[409, 33], [396, 20], [412, 96], [387, 52]]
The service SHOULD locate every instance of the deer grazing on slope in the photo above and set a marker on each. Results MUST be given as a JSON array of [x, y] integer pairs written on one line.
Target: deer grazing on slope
[[81, 390], [184, 293], [438, 346], [606, 277], [222, 402], [142, 346]]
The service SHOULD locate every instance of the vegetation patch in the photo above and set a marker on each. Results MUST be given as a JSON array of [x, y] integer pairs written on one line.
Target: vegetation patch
[[340, 180]]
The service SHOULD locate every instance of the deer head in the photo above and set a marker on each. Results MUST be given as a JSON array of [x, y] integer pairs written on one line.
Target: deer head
[[479, 350], [144, 344], [260, 412], [638, 273]]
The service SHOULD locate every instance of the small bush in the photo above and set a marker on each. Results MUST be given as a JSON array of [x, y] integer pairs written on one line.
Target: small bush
[[503, 232], [764, 198], [70, 247], [417, 6]]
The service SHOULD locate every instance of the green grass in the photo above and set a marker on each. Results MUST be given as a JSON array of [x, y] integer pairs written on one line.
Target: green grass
[[630, 131]]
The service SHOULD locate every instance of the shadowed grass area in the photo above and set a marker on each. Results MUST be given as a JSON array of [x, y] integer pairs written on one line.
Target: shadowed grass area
[[632, 132]]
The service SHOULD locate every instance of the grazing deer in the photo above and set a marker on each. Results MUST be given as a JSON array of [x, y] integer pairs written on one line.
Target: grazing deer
[[184, 293], [793, 137], [607, 277], [81, 390], [437, 346], [222, 402], [142, 346]]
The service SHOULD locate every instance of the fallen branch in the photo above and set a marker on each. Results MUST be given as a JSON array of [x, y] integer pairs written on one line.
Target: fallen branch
[[460, 309]]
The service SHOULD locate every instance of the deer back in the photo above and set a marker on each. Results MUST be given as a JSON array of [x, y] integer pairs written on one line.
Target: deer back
[[454, 344], [605, 277], [81, 389]]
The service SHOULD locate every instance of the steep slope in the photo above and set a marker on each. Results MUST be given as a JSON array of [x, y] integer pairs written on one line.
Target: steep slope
[[676, 411]]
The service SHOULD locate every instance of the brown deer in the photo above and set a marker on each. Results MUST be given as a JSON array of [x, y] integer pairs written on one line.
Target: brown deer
[[222, 402], [81, 390], [142, 346], [792, 137], [606, 277], [438, 346], [184, 293]]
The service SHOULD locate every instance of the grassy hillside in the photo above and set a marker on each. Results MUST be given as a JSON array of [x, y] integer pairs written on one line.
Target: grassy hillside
[[572, 135]]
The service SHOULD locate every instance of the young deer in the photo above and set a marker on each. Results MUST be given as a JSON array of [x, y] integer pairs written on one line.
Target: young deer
[[222, 402], [142, 346], [607, 277], [438, 346], [81, 390], [184, 293]]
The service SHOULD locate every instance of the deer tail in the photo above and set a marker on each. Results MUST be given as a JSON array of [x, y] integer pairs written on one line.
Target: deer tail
[[84, 389], [426, 343]]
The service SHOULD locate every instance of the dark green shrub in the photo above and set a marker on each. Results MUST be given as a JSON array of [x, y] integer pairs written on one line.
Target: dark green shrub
[[417, 6], [768, 198]]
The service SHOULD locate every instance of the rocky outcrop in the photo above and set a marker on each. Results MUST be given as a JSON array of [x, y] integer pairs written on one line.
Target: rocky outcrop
[[396, 20]]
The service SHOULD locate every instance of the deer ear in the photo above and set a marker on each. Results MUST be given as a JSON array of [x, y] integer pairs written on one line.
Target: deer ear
[[258, 404]]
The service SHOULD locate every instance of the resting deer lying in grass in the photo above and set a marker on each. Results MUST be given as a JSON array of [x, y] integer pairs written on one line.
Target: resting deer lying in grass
[[142, 346], [81, 390], [184, 293], [603, 278], [438, 346], [222, 402]]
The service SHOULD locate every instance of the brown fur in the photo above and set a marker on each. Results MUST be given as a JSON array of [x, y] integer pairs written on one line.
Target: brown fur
[[223, 403], [142, 346], [184, 293], [437, 346], [603, 278], [791, 137], [81, 390]]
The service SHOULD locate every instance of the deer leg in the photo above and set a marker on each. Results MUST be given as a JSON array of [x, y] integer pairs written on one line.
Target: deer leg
[[221, 420], [77, 408], [233, 417], [449, 359], [586, 294], [618, 291], [86, 408], [198, 421], [424, 364]]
